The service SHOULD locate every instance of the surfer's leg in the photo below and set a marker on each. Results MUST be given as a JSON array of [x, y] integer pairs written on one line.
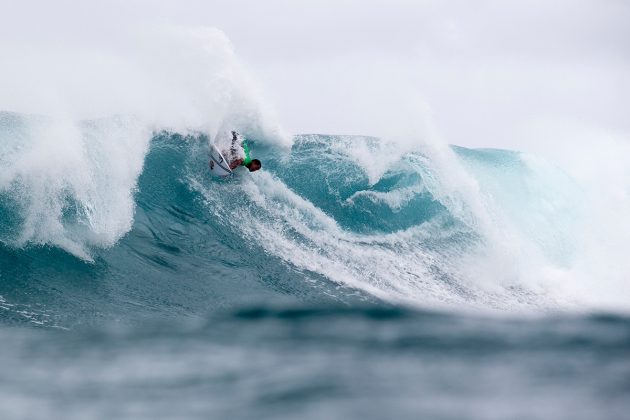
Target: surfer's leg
[[233, 148]]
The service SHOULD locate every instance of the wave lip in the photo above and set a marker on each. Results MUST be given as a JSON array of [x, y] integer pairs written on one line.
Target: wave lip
[[69, 185]]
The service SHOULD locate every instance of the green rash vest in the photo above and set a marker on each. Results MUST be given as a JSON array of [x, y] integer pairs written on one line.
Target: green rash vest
[[247, 159]]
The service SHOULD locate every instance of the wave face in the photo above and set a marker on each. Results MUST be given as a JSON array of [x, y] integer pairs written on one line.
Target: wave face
[[340, 279], [333, 218]]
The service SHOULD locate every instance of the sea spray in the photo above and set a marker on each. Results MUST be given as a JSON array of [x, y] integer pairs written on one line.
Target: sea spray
[[70, 166], [181, 78], [70, 184]]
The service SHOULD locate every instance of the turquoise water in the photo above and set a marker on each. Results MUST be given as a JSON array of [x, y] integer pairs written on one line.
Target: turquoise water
[[320, 287]]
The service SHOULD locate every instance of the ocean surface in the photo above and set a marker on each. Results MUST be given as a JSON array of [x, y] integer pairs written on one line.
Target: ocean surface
[[352, 277]]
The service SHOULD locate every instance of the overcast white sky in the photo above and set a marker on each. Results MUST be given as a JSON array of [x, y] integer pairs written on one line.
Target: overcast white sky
[[483, 72]]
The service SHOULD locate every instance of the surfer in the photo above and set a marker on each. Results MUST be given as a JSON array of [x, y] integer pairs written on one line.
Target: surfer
[[239, 154]]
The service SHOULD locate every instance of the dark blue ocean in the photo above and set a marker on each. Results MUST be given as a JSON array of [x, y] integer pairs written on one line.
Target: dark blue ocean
[[350, 278]]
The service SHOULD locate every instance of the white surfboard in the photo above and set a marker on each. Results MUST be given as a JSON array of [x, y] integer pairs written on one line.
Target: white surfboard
[[218, 165]]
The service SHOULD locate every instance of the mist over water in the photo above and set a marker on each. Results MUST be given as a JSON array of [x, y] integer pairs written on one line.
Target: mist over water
[[455, 242]]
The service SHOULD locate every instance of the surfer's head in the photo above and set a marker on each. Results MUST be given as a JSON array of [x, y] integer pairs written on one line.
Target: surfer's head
[[254, 165]]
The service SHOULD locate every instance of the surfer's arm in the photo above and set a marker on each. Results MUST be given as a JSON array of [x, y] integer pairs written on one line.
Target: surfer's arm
[[236, 141], [236, 163]]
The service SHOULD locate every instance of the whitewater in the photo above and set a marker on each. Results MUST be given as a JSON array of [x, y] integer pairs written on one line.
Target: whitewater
[[354, 275]]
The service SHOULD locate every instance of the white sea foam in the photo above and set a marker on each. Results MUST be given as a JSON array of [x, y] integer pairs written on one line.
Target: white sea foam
[[417, 266], [528, 218], [53, 167]]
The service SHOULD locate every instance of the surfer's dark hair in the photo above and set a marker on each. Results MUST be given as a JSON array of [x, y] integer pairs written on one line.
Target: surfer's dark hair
[[255, 162]]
